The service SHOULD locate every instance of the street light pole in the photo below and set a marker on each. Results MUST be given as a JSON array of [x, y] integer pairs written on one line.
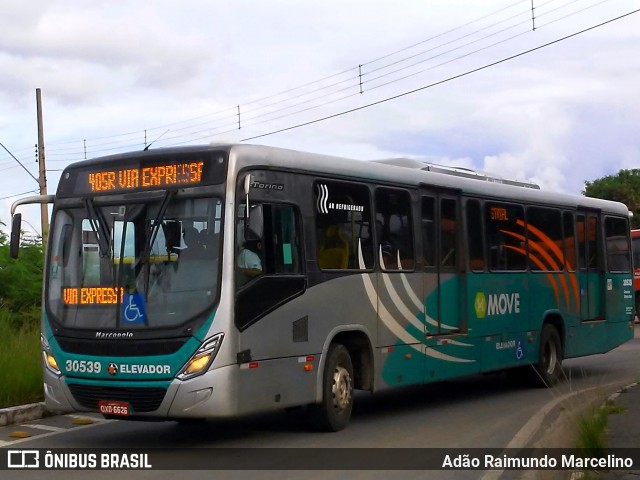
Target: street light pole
[[44, 209]]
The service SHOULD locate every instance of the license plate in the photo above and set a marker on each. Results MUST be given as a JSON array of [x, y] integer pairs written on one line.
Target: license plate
[[110, 407]]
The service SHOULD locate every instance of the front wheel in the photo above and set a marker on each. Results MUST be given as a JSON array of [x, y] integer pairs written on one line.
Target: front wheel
[[548, 370], [334, 412]]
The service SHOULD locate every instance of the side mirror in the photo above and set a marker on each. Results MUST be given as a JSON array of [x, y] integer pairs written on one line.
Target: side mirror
[[16, 227]]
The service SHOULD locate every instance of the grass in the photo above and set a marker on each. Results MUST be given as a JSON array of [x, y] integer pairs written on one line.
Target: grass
[[589, 431], [592, 429], [20, 359]]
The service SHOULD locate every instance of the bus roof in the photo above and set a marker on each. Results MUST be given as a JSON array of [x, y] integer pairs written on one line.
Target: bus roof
[[408, 172]]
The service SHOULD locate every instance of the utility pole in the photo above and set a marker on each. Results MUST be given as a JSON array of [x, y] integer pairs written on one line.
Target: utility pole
[[44, 209]]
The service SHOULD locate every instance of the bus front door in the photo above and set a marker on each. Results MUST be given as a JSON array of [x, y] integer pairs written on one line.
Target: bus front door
[[443, 283]]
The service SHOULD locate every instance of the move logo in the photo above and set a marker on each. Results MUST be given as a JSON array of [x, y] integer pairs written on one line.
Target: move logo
[[480, 305], [496, 304]]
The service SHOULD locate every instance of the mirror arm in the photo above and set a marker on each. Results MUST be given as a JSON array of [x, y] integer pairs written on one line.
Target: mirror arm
[[16, 220], [247, 187]]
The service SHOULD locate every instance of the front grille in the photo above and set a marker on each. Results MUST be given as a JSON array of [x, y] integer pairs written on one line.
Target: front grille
[[121, 348], [141, 399]]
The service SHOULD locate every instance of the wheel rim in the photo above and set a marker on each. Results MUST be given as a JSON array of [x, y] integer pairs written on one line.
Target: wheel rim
[[550, 358], [341, 388]]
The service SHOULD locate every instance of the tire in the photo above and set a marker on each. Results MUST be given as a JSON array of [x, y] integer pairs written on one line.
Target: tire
[[334, 411], [548, 371]]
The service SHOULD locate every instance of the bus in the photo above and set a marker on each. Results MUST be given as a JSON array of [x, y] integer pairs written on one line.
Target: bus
[[635, 247], [223, 280]]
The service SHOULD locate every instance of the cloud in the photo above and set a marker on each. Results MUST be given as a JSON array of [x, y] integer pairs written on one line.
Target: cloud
[[120, 74], [88, 52]]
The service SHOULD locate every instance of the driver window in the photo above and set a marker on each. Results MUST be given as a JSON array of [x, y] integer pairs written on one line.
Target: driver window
[[249, 243], [267, 242]]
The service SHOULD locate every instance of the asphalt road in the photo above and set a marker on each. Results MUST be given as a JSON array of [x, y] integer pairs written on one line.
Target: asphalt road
[[477, 412]]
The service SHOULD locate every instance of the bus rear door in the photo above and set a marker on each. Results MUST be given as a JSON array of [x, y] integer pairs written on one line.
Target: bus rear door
[[590, 264], [443, 283]]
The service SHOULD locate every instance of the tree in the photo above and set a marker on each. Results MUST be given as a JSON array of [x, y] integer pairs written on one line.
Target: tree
[[21, 280], [623, 187]]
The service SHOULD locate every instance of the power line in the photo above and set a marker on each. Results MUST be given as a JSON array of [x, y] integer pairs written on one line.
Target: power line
[[269, 116], [52, 146], [442, 34], [376, 86], [25, 168], [19, 194], [308, 100], [469, 72]]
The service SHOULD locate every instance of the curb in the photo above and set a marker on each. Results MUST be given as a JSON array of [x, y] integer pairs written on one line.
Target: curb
[[21, 413], [614, 396]]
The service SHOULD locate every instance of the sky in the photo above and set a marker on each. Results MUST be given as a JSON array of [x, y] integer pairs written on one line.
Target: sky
[[443, 81]]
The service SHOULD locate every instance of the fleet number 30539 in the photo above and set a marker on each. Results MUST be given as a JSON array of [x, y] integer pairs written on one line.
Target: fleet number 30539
[[83, 366]]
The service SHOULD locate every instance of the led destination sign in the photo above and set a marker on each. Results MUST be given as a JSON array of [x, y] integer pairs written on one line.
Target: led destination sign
[[92, 295], [156, 176], [132, 173]]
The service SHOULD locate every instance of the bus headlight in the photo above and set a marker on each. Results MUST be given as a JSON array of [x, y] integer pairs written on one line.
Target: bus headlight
[[202, 359], [49, 360]]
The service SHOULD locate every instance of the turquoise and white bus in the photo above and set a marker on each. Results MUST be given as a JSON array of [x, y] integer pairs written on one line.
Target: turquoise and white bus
[[363, 275]]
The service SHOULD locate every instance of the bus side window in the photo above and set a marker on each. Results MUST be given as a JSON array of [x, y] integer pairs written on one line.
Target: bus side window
[[545, 239], [475, 237], [593, 257], [618, 255], [570, 256], [342, 226], [448, 229], [394, 231], [429, 231], [505, 236], [286, 238], [588, 245], [582, 245]]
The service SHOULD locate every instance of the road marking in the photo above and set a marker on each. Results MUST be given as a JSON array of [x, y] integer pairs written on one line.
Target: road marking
[[46, 427], [4, 443]]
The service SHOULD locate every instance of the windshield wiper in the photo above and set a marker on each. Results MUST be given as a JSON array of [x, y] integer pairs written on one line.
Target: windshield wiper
[[155, 227], [99, 226]]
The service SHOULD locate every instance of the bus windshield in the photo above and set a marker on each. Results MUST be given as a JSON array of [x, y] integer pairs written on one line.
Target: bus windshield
[[150, 264]]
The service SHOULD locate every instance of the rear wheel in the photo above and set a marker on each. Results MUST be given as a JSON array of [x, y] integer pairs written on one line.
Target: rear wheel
[[334, 412], [548, 370]]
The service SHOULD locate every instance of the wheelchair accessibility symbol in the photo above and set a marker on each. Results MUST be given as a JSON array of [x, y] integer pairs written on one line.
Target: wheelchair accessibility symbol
[[133, 310], [519, 351]]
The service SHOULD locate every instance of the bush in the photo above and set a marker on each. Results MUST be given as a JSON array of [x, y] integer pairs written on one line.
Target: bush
[[20, 360], [21, 279], [20, 310]]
